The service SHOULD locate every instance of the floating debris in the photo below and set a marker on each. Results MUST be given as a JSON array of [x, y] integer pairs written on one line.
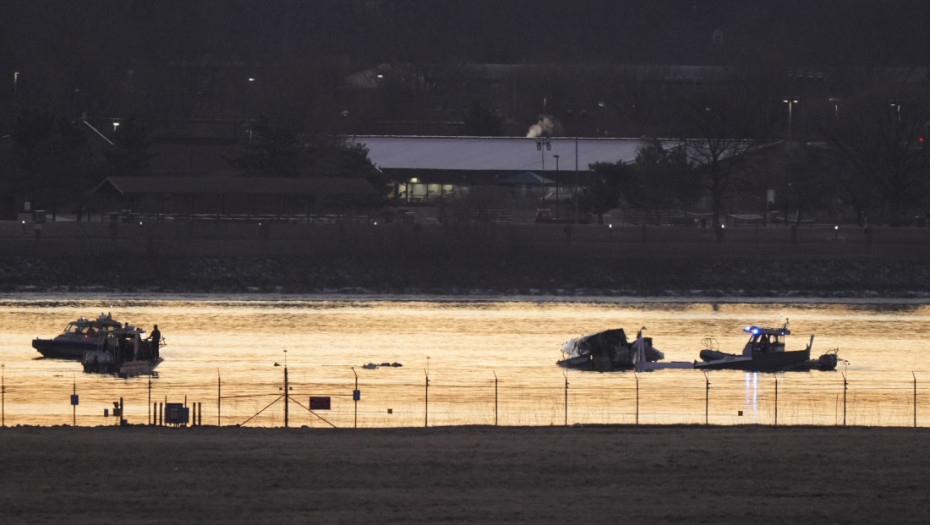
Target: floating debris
[[372, 366]]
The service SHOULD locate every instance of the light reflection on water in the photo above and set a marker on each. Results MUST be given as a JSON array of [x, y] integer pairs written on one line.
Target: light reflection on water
[[487, 362]]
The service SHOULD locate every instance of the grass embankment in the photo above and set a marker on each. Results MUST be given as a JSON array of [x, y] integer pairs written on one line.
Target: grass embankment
[[609, 474]]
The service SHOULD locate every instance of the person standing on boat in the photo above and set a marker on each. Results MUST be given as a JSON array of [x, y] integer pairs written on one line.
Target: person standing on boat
[[136, 344], [155, 338]]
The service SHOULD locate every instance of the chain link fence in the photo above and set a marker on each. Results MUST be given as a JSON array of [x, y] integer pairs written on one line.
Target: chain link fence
[[346, 399]]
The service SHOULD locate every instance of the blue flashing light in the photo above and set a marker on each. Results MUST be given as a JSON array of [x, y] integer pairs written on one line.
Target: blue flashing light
[[755, 330]]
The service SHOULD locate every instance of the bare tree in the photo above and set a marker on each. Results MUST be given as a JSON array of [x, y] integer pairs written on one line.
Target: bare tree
[[723, 128], [877, 139]]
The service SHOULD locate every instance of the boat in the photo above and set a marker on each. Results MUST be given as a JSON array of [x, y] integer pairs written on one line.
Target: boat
[[765, 352], [608, 350], [84, 335], [125, 354]]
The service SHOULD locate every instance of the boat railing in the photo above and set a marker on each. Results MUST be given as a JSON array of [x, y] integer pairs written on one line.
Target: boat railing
[[710, 343]]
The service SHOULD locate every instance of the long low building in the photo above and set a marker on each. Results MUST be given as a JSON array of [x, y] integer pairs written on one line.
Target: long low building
[[428, 168], [504, 154]]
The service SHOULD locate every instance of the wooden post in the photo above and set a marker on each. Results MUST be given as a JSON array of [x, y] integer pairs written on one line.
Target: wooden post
[[915, 399], [219, 396], [426, 403]]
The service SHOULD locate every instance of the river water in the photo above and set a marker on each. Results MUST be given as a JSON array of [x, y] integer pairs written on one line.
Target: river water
[[480, 362]]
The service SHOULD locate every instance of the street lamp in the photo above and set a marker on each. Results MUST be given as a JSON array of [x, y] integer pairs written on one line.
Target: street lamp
[[558, 204], [836, 106], [897, 108], [540, 142], [791, 102]]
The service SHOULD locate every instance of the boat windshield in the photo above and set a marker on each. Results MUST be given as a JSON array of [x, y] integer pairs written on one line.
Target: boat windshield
[[86, 329]]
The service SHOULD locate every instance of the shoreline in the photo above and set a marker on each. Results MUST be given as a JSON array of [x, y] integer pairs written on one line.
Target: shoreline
[[607, 299], [467, 260], [699, 276]]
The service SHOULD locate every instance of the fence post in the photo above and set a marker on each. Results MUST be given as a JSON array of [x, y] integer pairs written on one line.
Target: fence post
[[845, 388], [355, 397], [426, 403], [286, 393], [776, 401], [706, 398], [495, 397], [566, 398], [636, 377]]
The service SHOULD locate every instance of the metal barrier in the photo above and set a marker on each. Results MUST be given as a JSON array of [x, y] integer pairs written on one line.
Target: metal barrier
[[626, 398]]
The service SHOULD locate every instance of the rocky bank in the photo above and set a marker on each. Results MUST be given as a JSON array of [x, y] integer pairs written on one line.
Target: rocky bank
[[559, 276]]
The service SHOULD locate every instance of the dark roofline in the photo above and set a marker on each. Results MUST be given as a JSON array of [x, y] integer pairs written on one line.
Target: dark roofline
[[320, 187]]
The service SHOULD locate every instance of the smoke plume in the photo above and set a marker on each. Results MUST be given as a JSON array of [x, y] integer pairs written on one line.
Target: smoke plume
[[544, 126]]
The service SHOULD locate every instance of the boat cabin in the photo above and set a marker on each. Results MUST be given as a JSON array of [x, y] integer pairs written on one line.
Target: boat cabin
[[765, 340], [92, 328]]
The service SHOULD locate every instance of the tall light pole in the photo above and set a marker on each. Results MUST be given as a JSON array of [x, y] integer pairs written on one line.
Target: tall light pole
[[542, 142], [836, 106], [575, 192], [791, 102], [897, 108], [557, 203]]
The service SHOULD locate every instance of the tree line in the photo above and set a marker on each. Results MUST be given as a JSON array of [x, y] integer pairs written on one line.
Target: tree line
[[715, 77], [868, 160], [55, 161]]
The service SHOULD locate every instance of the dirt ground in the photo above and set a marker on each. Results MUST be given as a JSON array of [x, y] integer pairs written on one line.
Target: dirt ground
[[603, 474]]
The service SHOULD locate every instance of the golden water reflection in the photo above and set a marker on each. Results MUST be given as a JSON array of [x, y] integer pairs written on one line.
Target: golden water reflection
[[465, 362]]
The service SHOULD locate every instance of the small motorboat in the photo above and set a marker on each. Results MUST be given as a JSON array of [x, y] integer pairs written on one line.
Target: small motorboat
[[125, 354], [765, 352], [84, 335]]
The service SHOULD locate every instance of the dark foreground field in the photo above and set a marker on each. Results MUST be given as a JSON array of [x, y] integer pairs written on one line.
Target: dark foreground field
[[465, 475]]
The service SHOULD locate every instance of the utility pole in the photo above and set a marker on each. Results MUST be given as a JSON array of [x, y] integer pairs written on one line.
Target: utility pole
[[355, 397], [286, 391]]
